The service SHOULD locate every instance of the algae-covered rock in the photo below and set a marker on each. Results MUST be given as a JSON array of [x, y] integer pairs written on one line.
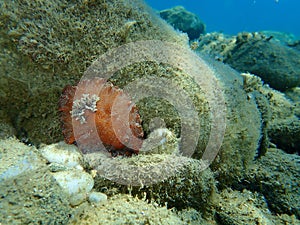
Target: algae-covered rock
[[39, 57], [273, 61], [34, 198], [295, 45], [234, 207], [29, 193], [280, 115], [244, 127], [125, 209], [286, 131], [46, 45], [184, 21], [294, 94], [276, 176], [6, 127], [286, 134], [245, 207], [276, 64], [282, 37], [176, 181], [17, 159], [191, 94]]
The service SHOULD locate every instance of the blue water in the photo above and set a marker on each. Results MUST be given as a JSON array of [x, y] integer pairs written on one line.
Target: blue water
[[233, 16]]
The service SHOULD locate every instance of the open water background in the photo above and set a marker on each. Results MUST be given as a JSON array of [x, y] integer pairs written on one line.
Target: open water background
[[233, 16]]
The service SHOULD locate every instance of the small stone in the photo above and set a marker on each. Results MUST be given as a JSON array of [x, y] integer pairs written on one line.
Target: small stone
[[160, 141], [55, 167], [74, 182], [64, 154], [75, 200], [97, 197]]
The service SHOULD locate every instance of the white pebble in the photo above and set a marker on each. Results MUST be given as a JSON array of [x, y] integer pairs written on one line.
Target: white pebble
[[97, 197], [74, 182], [64, 154]]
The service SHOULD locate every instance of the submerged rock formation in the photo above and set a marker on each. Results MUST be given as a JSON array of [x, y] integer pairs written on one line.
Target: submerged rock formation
[[206, 123], [184, 21]]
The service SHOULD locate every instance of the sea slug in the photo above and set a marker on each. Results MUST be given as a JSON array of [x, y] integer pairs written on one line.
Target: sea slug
[[97, 103]]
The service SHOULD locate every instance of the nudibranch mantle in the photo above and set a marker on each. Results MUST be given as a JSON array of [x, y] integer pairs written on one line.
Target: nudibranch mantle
[[97, 103]]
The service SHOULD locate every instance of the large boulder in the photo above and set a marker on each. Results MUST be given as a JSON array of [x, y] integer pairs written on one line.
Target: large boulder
[[183, 20]]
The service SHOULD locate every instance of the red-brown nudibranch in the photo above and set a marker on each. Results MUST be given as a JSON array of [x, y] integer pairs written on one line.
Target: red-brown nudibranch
[[97, 104]]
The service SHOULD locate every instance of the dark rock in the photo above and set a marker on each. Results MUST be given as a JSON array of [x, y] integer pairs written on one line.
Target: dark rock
[[286, 135], [276, 64], [276, 176], [265, 56], [184, 21]]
